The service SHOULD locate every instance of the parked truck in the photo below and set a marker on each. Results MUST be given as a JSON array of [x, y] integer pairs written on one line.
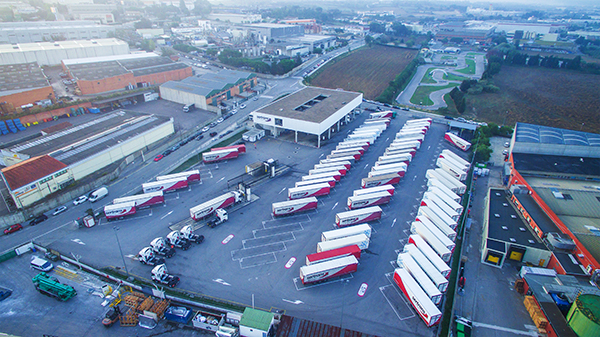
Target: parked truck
[[346, 232], [119, 211], [220, 155], [190, 176], [454, 163], [207, 208], [384, 188], [169, 185], [388, 179], [426, 309], [457, 141], [358, 216], [385, 121], [50, 286], [294, 206], [188, 234], [161, 275], [320, 272], [404, 144], [333, 254], [367, 200], [175, 239], [449, 154], [345, 164], [335, 175], [408, 263], [142, 200], [315, 190], [431, 200], [434, 274], [329, 180], [159, 246], [361, 240], [98, 194], [148, 256], [396, 152], [454, 171], [349, 150], [430, 254], [220, 217], [441, 249]]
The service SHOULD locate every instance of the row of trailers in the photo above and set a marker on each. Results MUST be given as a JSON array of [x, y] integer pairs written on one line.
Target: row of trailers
[[153, 194], [423, 270]]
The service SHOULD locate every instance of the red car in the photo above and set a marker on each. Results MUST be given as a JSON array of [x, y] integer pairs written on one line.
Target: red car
[[13, 228], [158, 157]]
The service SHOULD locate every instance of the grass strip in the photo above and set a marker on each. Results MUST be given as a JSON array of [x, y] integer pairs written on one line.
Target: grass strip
[[421, 95], [470, 69]]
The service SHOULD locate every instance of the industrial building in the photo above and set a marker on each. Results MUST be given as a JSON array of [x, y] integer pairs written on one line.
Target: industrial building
[[235, 18], [311, 111], [310, 25], [466, 32], [208, 91], [22, 84], [49, 163], [314, 41], [44, 31], [52, 53], [102, 13], [119, 72], [553, 178], [275, 31]]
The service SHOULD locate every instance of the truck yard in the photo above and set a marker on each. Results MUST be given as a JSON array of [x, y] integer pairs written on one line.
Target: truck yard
[[244, 259]]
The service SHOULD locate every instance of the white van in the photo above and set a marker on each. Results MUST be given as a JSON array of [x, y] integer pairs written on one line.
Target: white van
[[98, 194], [41, 264]]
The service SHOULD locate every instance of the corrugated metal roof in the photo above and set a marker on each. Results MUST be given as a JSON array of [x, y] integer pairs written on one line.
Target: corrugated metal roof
[[530, 133], [574, 203], [296, 327], [30, 170], [584, 229], [257, 319]]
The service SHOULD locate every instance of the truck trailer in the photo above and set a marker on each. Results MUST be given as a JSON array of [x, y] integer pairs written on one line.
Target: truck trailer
[[383, 114], [307, 191], [207, 208], [354, 154], [333, 174], [191, 175], [419, 120], [397, 152], [294, 206], [384, 188], [349, 218], [439, 179], [440, 197], [449, 154], [367, 200], [440, 190], [338, 159], [405, 144], [346, 232], [454, 171], [434, 274], [388, 179], [426, 309], [333, 254], [389, 166], [457, 141], [430, 254], [377, 121], [399, 171], [345, 145], [165, 185], [441, 250], [459, 165], [240, 148], [340, 168], [461, 187], [216, 156], [438, 216], [430, 200], [349, 149], [361, 240], [345, 164], [402, 158], [319, 272], [408, 263], [118, 211], [142, 200], [330, 180]]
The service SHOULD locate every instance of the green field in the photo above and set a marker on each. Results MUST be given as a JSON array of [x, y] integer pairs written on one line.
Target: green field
[[453, 77], [446, 57], [427, 78], [470, 69], [421, 95]]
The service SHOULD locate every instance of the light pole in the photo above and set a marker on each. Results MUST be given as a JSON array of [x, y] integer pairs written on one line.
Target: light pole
[[582, 124], [504, 120], [115, 228]]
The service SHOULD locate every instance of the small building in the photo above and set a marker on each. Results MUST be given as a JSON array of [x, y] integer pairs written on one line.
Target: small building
[[275, 31], [314, 41], [102, 13], [235, 18], [23, 84], [256, 323]]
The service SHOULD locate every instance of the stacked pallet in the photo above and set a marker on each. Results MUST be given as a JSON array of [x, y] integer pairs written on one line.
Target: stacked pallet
[[536, 314], [159, 308]]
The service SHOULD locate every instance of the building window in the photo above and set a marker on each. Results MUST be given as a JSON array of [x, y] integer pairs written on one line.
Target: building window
[[278, 121], [45, 179], [60, 173]]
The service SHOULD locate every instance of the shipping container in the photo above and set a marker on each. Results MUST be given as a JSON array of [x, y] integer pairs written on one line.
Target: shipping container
[[384, 188], [434, 274], [444, 197], [406, 262], [426, 309], [215, 156], [388, 179], [346, 231], [191, 175], [435, 243], [447, 153], [457, 141], [330, 180], [358, 216], [361, 240], [333, 254], [367, 200], [441, 190], [333, 268], [346, 164], [398, 171], [430, 199], [307, 191], [430, 254], [354, 154], [454, 171], [294, 206], [337, 160], [340, 168], [336, 175], [165, 185], [420, 120], [119, 210], [142, 200]]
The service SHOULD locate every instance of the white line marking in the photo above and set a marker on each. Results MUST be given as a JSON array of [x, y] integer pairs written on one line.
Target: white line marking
[[166, 215], [296, 302], [415, 177], [283, 189], [220, 179], [393, 222], [321, 156], [334, 205]]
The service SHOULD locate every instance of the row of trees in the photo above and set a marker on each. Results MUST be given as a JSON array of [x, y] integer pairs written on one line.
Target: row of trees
[[322, 16], [482, 140], [400, 82], [472, 87], [235, 58]]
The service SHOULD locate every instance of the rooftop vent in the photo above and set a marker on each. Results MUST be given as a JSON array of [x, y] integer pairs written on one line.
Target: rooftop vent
[[513, 216], [505, 228], [497, 215], [522, 229], [504, 204], [560, 241], [498, 194], [531, 241], [513, 240]]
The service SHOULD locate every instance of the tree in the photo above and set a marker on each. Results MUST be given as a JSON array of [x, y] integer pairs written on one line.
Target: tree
[[143, 23], [375, 27], [400, 29], [183, 8], [483, 153], [317, 51], [164, 51], [369, 40], [148, 45], [202, 8]]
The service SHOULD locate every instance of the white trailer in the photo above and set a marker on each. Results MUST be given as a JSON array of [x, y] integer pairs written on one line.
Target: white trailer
[[388, 179], [368, 138], [294, 206], [454, 171], [387, 160], [419, 120], [457, 141], [447, 153], [430, 254], [396, 152], [337, 176], [410, 144], [434, 274], [325, 270], [338, 159], [411, 138], [399, 171], [315, 190], [330, 180], [207, 208], [346, 164], [384, 188], [413, 129], [445, 199], [382, 114], [448, 181], [345, 145], [425, 124], [435, 243], [462, 187], [387, 121], [411, 135], [445, 234], [430, 199], [191, 175], [354, 154], [426, 309], [361, 240], [441, 190], [346, 231], [368, 133], [340, 168], [439, 218], [407, 262], [459, 165], [389, 166], [349, 218], [372, 127], [349, 149], [367, 200]]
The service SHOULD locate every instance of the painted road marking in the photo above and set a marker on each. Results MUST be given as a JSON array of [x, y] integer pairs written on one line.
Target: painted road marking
[[220, 179], [227, 239], [78, 241], [362, 290], [296, 302], [394, 222], [282, 190], [166, 215], [500, 328], [218, 280], [290, 262], [366, 165], [334, 205]]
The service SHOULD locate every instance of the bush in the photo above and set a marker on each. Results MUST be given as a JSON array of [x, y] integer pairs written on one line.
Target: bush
[[399, 83]]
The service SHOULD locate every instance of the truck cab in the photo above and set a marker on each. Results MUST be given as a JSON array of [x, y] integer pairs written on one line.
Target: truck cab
[[188, 107]]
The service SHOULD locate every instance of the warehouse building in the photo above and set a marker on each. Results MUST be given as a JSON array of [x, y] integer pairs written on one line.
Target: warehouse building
[[314, 41], [22, 84], [553, 177], [268, 31], [49, 163], [43, 31], [311, 111], [52, 53], [208, 91], [110, 73]]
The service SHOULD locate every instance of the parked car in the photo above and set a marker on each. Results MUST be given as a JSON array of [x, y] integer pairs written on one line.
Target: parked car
[[212, 134], [13, 228], [505, 152], [233, 112], [206, 128], [199, 137], [507, 144], [40, 264], [243, 106], [59, 210], [175, 148], [80, 200], [220, 120], [167, 152], [158, 157], [255, 98], [38, 219], [213, 124]]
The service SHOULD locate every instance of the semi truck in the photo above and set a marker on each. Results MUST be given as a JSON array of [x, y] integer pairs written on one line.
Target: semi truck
[[441, 250], [434, 274], [454, 171], [148, 256], [142, 200], [399, 171], [240, 148], [162, 276], [440, 189], [315, 190], [341, 169], [361, 240], [426, 309], [457, 141], [430, 254], [333, 254], [176, 239], [191, 176], [294, 206], [384, 188], [329, 180], [346, 232], [408, 263], [462, 187], [383, 114], [367, 200], [440, 197], [216, 156], [354, 154], [388, 179], [433, 201], [320, 272], [207, 208], [354, 217], [345, 164], [338, 159], [159, 246], [333, 174], [119, 211], [165, 185], [378, 124], [449, 154]]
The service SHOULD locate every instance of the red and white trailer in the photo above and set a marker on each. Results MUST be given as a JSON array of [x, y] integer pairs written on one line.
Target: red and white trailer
[[405, 144], [443, 180], [384, 188], [389, 166], [333, 254], [461, 187], [451, 169], [215, 156], [119, 210], [346, 164], [336, 175], [191, 175], [388, 179], [360, 240], [346, 232], [294, 206], [420, 120], [364, 137], [349, 218], [330, 180], [430, 199], [407, 262], [142, 200], [382, 114], [436, 215], [341, 169], [444, 233], [404, 157], [165, 185], [399, 151], [443, 197], [398, 171], [439, 188], [416, 129], [345, 145], [367, 200], [410, 138], [458, 164], [434, 274], [240, 148], [333, 268], [440, 249], [423, 123], [377, 121], [315, 190], [354, 154], [457, 141], [426, 309], [430, 254], [449, 154], [349, 149], [338, 159], [372, 127], [207, 208]]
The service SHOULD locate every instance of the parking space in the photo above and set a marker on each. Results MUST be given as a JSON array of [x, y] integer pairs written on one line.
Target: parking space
[[183, 120]]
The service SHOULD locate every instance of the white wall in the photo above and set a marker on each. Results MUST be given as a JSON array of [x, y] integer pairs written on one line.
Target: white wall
[[183, 97]]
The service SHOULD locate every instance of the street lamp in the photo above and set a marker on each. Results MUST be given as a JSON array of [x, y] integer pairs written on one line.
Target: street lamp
[[504, 120], [582, 124], [115, 228]]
